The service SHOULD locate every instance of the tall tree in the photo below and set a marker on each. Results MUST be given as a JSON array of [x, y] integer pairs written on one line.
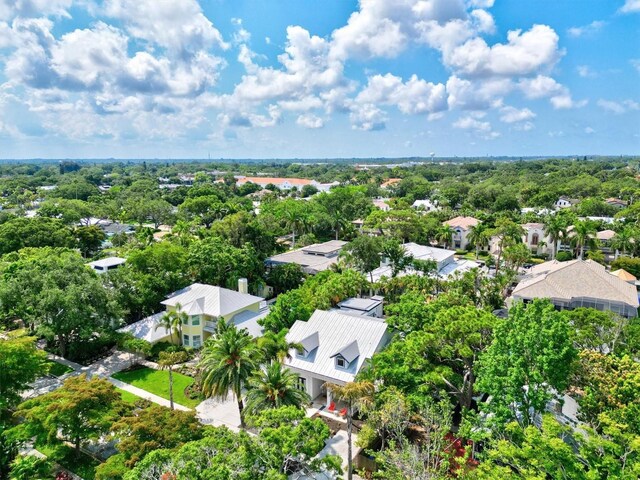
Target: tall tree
[[363, 253], [276, 347], [583, 236], [169, 360], [355, 395], [275, 386], [227, 363], [530, 358], [479, 237], [555, 229]]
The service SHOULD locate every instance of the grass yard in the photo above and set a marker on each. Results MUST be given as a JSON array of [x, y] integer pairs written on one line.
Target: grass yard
[[82, 465], [157, 382], [58, 369], [128, 397]]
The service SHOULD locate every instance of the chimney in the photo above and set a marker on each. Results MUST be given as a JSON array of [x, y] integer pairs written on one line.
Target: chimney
[[243, 285]]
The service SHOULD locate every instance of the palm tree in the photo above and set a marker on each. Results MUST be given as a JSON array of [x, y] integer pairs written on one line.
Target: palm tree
[[624, 240], [479, 237], [356, 395], [168, 360], [555, 229], [274, 387], [275, 346], [444, 235], [172, 322], [583, 235], [227, 363]]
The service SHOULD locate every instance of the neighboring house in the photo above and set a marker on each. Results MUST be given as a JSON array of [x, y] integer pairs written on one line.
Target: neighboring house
[[604, 238], [426, 205], [204, 305], [313, 258], [285, 183], [535, 239], [578, 283], [107, 264], [445, 261], [564, 202], [369, 307], [461, 227], [336, 346], [622, 274], [382, 204], [390, 183], [616, 202]]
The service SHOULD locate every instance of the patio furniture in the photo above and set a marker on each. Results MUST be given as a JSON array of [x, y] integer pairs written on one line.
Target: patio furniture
[[343, 412], [332, 407]]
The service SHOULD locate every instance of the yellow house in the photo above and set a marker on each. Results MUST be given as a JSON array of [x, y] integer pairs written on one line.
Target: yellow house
[[204, 305]]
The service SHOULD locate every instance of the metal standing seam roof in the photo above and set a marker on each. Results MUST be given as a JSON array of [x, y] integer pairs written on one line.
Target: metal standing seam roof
[[199, 298], [108, 262], [574, 279], [362, 304], [313, 258], [336, 333]]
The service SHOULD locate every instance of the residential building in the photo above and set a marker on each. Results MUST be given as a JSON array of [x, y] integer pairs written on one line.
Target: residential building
[[426, 205], [461, 227], [369, 307], [313, 258], [616, 202], [564, 202], [382, 204], [336, 346], [107, 264], [535, 238], [204, 306], [446, 263], [387, 184], [578, 283], [604, 238], [285, 183], [622, 274]]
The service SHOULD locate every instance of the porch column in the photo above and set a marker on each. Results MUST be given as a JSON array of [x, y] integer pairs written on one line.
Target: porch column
[[328, 397]]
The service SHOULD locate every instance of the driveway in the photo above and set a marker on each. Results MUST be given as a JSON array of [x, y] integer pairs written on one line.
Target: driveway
[[220, 413]]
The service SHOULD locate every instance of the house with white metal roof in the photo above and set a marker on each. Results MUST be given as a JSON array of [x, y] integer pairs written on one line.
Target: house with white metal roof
[[578, 283], [107, 264], [204, 305], [336, 346]]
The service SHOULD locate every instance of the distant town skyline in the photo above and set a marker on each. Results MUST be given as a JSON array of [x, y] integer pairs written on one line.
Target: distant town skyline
[[308, 79]]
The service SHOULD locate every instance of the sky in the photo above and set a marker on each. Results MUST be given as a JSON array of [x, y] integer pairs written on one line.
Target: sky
[[318, 78]]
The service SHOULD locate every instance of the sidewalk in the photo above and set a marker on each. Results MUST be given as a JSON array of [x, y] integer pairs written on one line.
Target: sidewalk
[[146, 395]]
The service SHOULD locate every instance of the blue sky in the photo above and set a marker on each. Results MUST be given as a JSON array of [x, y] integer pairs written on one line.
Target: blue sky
[[318, 78]]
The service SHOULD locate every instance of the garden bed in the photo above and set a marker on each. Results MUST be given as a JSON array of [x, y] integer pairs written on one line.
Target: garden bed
[[82, 465]]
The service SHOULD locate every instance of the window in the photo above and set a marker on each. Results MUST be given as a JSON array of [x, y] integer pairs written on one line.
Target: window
[[302, 353], [185, 340], [302, 383], [195, 321], [341, 362], [197, 343], [534, 239]]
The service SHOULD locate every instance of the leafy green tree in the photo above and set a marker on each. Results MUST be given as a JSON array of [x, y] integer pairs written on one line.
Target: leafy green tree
[[625, 239], [555, 228], [596, 330], [631, 265], [206, 209], [397, 256], [274, 386], [583, 236], [516, 255], [152, 428], [80, 410], [363, 254], [20, 364], [34, 232], [288, 308], [444, 235], [507, 233], [172, 322], [89, 239], [531, 356], [169, 360], [275, 346], [479, 237], [30, 467], [54, 292], [285, 277], [227, 362]]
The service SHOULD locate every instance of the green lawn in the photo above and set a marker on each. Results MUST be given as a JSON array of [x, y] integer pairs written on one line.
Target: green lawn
[[157, 382], [128, 397], [58, 369], [82, 465]]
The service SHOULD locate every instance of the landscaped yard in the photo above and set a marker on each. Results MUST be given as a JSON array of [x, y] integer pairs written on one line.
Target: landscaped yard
[[157, 382], [82, 465], [128, 397], [57, 369]]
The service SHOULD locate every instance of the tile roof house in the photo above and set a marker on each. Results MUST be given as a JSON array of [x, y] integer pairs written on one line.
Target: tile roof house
[[390, 183], [204, 305], [313, 258], [578, 283], [616, 202], [285, 183], [461, 227], [336, 346]]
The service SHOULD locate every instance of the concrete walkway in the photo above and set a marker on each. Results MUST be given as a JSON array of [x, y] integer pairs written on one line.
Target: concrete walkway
[[220, 413], [338, 445], [146, 395]]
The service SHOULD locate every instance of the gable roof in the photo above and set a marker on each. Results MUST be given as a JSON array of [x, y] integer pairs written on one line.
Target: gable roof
[[464, 223], [605, 235], [355, 337], [199, 299], [566, 281]]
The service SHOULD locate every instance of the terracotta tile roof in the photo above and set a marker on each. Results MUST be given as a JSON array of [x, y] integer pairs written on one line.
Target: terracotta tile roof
[[463, 222], [275, 180]]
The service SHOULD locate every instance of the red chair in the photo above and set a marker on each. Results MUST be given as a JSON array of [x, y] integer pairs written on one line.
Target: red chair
[[332, 407], [343, 412]]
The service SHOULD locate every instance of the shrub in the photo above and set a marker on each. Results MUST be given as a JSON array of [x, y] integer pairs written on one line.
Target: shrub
[[564, 256]]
